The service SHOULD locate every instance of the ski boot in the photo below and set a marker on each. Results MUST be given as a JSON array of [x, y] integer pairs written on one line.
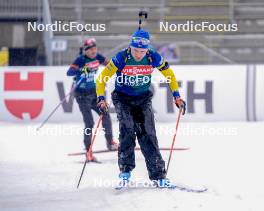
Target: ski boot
[[112, 146], [123, 180]]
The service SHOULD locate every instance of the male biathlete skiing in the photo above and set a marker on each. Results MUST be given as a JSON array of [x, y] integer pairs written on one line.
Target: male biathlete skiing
[[84, 68], [132, 100]]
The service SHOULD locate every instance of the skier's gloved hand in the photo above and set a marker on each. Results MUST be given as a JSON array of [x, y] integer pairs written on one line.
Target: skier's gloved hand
[[84, 71], [180, 103], [102, 105]]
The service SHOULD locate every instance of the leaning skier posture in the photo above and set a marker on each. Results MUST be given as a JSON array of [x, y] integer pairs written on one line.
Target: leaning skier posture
[[84, 68], [132, 100]]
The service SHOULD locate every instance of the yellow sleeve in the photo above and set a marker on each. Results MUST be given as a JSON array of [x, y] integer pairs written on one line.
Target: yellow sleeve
[[168, 73], [104, 76]]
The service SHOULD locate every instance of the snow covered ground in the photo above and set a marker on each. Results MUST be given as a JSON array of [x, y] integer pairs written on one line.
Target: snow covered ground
[[37, 174]]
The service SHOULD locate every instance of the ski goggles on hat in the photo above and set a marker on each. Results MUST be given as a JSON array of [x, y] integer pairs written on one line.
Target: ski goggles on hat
[[139, 42]]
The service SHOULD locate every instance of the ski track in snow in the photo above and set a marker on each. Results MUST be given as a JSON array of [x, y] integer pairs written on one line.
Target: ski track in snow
[[37, 174]]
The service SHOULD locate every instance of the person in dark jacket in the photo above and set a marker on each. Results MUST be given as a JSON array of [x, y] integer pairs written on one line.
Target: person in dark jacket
[[86, 66]]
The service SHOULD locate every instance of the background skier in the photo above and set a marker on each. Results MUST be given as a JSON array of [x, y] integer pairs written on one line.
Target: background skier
[[86, 66]]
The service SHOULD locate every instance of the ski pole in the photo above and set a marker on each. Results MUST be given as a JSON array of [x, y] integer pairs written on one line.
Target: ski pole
[[62, 101], [173, 141], [89, 152]]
